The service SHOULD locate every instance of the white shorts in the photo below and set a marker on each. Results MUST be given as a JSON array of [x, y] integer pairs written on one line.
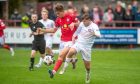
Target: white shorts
[[63, 44], [49, 42], [84, 49], [1, 40]]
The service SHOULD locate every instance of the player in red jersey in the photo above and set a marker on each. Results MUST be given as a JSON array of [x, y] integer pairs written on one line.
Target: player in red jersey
[[68, 25], [73, 13], [2, 41]]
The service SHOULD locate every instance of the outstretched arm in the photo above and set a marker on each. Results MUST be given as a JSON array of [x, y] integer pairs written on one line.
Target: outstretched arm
[[47, 30]]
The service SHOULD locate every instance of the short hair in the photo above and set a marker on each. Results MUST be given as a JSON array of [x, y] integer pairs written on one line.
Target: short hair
[[44, 10], [34, 14], [86, 17], [59, 7]]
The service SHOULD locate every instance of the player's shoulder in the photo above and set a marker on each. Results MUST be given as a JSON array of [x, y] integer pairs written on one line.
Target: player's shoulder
[[81, 24], [94, 25], [51, 21], [39, 23], [58, 19]]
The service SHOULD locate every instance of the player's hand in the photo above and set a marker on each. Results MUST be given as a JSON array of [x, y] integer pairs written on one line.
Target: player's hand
[[35, 33], [40, 30], [41, 33], [71, 26]]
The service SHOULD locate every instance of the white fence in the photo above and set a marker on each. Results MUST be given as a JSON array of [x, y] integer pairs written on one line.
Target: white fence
[[21, 36]]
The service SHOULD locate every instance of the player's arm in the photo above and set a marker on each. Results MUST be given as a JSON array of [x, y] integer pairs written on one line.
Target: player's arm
[[47, 30], [76, 33], [33, 33], [96, 31], [53, 26], [75, 22]]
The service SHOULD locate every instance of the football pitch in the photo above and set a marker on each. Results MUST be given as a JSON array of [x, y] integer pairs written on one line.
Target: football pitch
[[108, 67]]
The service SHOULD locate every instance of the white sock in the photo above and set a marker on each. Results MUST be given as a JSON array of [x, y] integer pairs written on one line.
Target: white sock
[[40, 61], [66, 63]]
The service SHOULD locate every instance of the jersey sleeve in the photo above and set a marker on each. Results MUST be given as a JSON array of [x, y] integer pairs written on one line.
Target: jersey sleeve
[[57, 23], [53, 24], [74, 19], [96, 30]]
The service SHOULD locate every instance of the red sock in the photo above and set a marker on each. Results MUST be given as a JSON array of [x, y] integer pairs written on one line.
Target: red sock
[[6, 47], [57, 65]]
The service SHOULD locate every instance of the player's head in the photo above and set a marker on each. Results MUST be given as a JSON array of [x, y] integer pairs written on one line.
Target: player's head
[[59, 10], [86, 19], [34, 17], [44, 14]]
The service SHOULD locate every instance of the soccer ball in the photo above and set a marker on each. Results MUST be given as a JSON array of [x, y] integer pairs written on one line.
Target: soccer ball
[[48, 60]]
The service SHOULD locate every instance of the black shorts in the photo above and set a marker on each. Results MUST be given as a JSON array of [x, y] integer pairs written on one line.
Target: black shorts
[[39, 46]]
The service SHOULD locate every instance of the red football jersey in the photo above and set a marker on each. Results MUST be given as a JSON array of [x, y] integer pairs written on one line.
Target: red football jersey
[[2, 27], [63, 23]]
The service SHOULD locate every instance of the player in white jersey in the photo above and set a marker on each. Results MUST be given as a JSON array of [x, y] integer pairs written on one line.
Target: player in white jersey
[[86, 32], [48, 36]]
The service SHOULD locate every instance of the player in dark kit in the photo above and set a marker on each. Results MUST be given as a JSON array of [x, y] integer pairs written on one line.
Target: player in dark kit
[[38, 43]]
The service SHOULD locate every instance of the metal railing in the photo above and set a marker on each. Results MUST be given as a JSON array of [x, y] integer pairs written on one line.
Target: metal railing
[[111, 25]]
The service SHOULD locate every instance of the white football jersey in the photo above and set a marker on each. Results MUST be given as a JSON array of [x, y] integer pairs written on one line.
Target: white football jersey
[[48, 24], [86, 34]]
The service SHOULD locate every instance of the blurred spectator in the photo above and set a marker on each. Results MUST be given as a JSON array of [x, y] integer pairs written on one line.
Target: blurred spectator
[[16, 16], [108, 17], [119, 14], [71, 10], [137, 18], [84, 10], [108, 8], [134, 7], [28, 13], [51, 14], [70, 4], [96, 15], [128, 16], [122, 4]]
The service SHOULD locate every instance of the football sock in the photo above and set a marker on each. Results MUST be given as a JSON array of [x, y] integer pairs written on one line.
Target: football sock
[[40, 61], [57, 65], [6, 47], [66, 62], [32, 62]]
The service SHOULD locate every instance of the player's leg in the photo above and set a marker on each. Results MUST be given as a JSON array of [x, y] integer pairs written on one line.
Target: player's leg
[[86, 54], [42, 49], [87, 66], [2, 42], [59, 61], [32, 58], [39, 63], [71, 52], [74, 61], [33, 52], [49, 51]]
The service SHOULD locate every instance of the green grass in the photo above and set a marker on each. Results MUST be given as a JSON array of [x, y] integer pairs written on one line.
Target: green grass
[[108, 67]]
